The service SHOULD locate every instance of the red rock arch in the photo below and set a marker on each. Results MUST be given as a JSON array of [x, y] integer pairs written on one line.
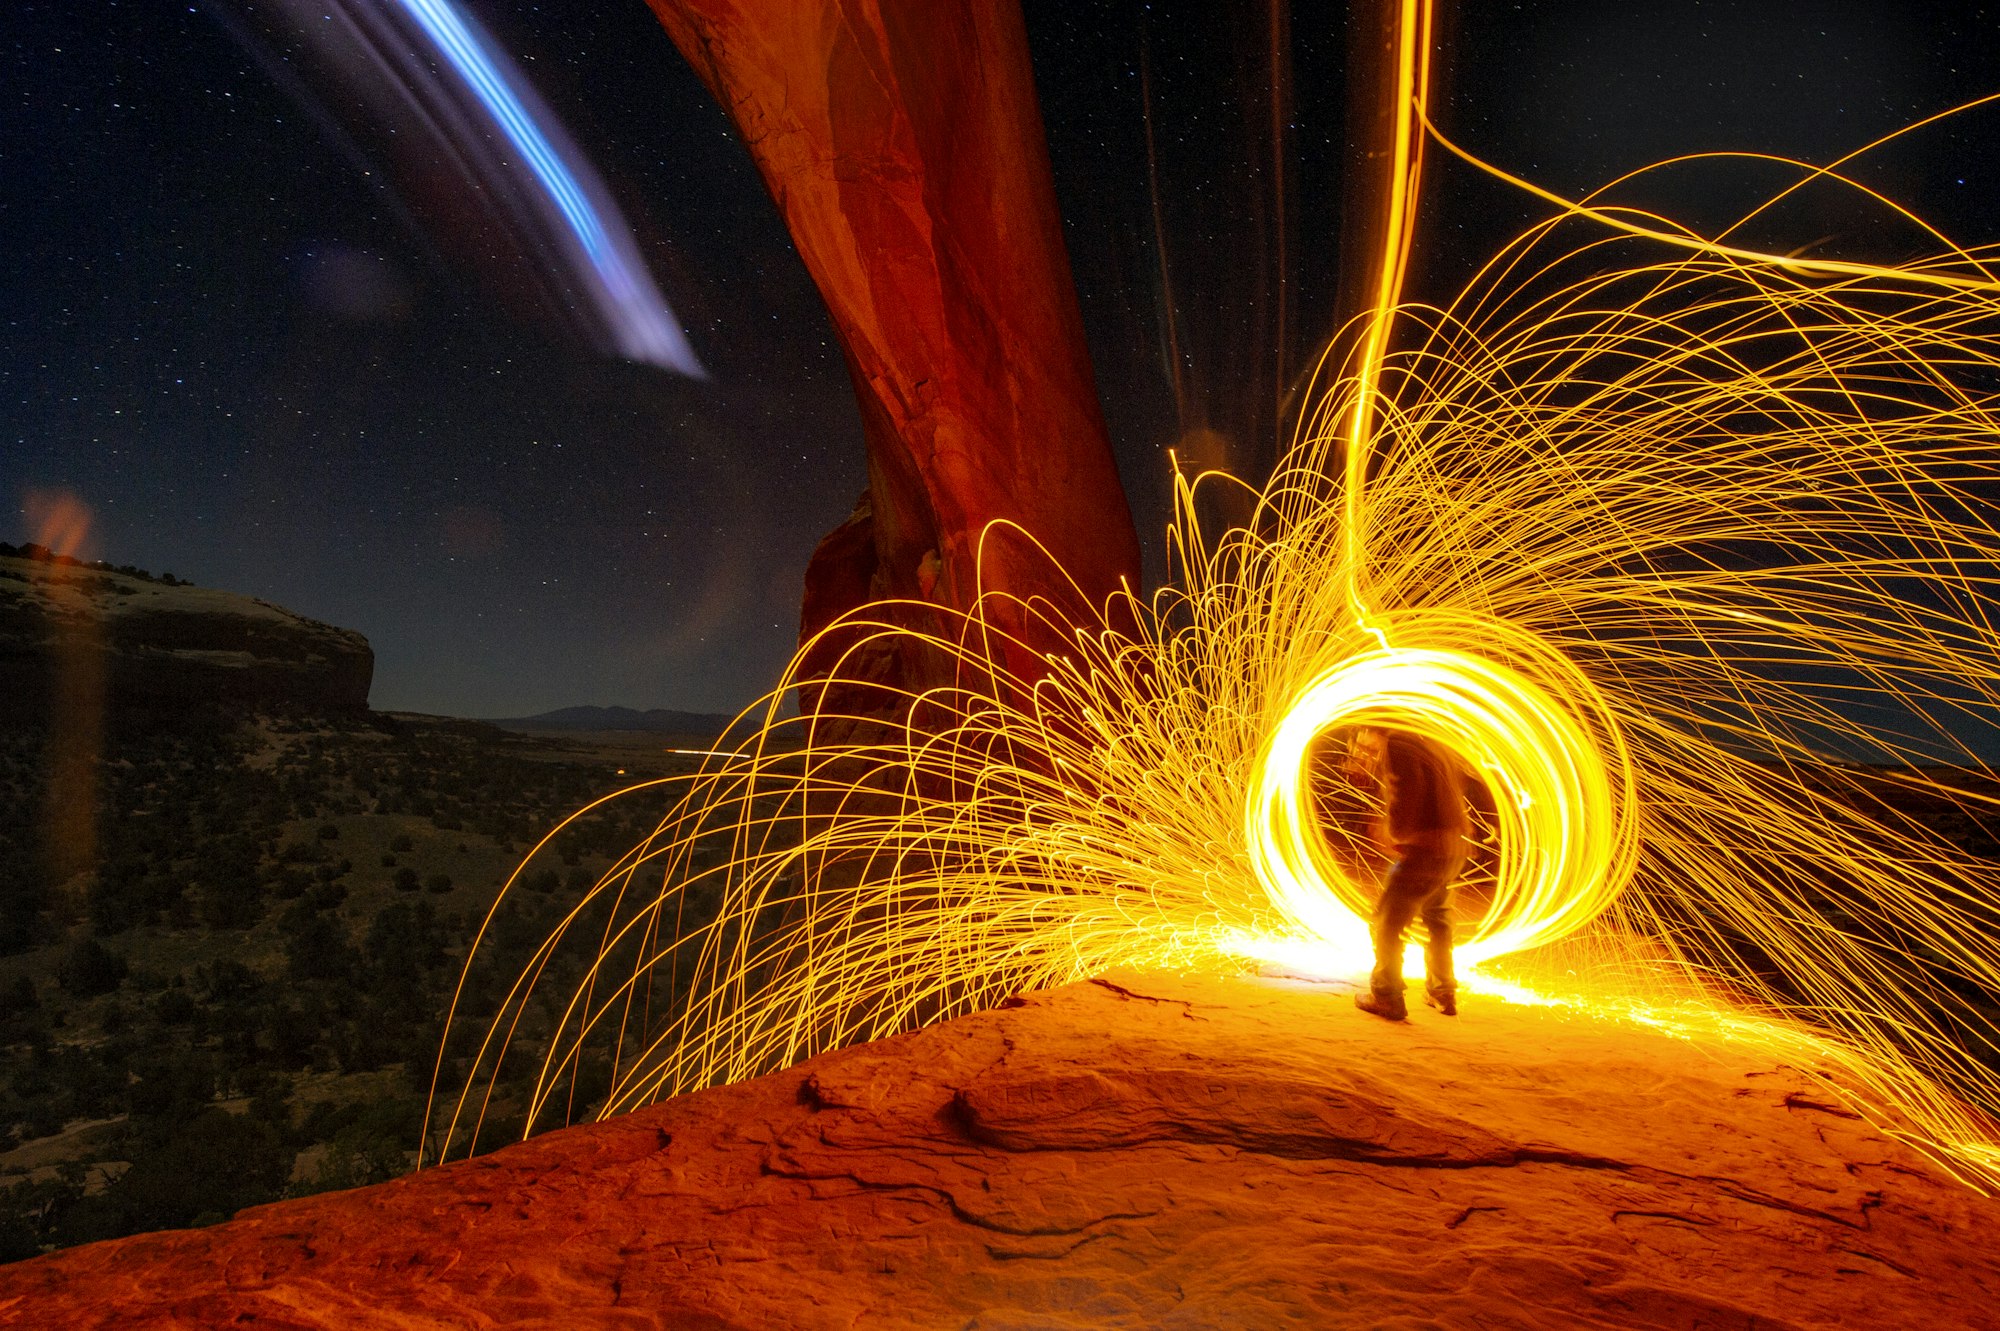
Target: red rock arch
[[903, 144]]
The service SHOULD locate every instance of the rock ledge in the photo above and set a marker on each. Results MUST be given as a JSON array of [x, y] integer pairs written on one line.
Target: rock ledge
[[1151, 1151]]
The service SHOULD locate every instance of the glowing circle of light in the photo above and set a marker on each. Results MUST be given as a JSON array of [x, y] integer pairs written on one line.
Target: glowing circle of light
[[1563, 854]]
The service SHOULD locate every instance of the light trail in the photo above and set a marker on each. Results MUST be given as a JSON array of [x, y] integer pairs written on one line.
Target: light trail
[[429, 68], [1659, 538], [1554, 797]]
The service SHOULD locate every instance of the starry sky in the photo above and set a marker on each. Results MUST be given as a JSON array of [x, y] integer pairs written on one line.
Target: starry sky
[[265, 366]]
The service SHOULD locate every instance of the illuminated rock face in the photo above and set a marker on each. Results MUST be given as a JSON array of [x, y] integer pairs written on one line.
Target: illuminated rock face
[[904, 147], [1157, 1152]]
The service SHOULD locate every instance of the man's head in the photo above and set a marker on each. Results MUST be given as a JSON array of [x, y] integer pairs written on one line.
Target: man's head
[[1367, 751], [1369, 743]]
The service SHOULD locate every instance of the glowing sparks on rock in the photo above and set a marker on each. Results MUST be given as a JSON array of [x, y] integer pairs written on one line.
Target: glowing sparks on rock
[[1662, 548]]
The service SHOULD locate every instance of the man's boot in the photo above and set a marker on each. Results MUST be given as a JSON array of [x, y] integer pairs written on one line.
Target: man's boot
[[1443, 997], [1385, 1003]]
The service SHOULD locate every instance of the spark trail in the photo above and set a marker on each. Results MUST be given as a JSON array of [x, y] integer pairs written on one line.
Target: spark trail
[[1659, 534]]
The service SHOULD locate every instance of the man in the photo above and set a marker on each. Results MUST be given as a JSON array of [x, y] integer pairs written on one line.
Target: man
[[1423, 825]]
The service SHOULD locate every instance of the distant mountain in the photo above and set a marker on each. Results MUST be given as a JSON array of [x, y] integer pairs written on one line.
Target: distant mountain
[[117, 639], [658, 720]]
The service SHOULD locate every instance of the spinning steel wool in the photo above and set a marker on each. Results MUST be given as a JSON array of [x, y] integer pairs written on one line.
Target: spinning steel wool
[[1687, 551]]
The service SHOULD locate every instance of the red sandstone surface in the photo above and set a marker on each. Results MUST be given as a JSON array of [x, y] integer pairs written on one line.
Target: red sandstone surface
[[1150, 1151]]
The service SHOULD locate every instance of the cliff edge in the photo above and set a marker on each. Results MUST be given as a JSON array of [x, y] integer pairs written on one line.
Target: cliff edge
[[74, 635]]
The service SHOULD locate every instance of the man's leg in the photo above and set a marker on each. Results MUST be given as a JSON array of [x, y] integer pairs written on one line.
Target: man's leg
[[1394, 910], [1404, 891], [1440, 979]]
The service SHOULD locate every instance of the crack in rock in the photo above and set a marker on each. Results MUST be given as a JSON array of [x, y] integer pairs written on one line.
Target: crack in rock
[[1263, 1112], [958, 1210], [1185, 1005]]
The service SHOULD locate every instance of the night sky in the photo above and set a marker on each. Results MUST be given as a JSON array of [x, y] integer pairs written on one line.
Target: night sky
[[266, 369]]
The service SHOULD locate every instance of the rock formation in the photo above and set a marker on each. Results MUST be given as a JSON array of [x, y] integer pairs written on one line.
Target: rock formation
[[1143, 1151], [904, 147], [73, 636]]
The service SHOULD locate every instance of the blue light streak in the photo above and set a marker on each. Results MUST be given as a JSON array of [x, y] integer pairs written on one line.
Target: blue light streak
[[434, 79], [446, 27]]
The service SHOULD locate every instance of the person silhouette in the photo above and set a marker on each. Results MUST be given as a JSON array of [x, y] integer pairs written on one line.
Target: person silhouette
[[1423, 824]]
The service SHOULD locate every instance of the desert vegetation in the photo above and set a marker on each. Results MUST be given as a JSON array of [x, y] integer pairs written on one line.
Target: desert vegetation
[[241, 998]]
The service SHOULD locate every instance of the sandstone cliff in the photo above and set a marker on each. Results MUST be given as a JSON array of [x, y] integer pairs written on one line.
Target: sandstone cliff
[[1145, 1152], [72, 635], [904, 148]]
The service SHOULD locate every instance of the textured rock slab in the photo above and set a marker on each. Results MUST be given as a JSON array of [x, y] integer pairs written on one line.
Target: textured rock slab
[[1155, 1151]]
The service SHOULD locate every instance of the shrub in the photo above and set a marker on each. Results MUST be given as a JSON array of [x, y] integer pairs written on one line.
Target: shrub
[[325, 896], [226, 981], [407, 938], [23, 893], [291, 883], [17, 997], [318, 949], [175, 1007], [207, 1169], [438, 882], [406, 879], [89, 968]]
